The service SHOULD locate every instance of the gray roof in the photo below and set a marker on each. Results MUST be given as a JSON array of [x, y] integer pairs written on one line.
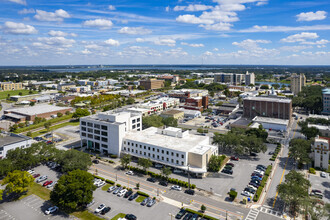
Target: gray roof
[[11, 139], [268, 99], [37, 109]]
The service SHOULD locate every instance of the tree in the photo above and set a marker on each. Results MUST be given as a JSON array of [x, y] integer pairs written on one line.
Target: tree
[[67, 113], [300, 149], [170, 122], [80, 113], [166, 171], [29, 134], [152, 121], [203, 208], [17, 182], [309, 132], [294, 190], [145, 163], [73, 190], [32, 104], [59, 114], [219, 103], [20, 93], [214, 164], [47, 125], [276, 86], [74, 159], [130, 101], [125, 160], [264, 86], [212, 94]]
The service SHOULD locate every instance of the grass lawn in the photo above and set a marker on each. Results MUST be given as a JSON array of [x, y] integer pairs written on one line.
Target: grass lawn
[[140, 199], [106, 187], [4, 94], [43, 131], [37, 190], [86, 215], [120, 215]]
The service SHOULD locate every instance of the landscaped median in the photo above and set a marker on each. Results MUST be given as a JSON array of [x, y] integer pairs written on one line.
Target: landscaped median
[[43, 131], [201, 214], [276, 152], [263, 183]]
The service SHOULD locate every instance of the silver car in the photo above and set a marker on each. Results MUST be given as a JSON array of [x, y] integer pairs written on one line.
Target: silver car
[[41, 179]]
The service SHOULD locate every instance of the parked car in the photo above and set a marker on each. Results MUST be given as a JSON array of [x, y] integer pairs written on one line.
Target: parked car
[[256, 178], [176, 187], [157, 165], [257, 174], [316, 190], [96, 161], [228, 167], [52, 184], [47, 183], [117, 190], [151, 179], [51, 210], [190, 191], [111, 188], [31, 172], [245, 193], [41, 179], [230, 164], [36, 175], [105, 210], [227, 171], [180, 214], [128, 193], [316, 194], [250, 190], [259, 165], [163, 183], [132, 197], [254, 184], [145, 201], [130, 217], [253, 187], [234, 158], [195, 217], [38, 138], [188, 216], [178, 171], [122, 192], [253, 154], [130, 173], [48, 135], [151, 202], [270, 152], [323, 175], [100, 208]]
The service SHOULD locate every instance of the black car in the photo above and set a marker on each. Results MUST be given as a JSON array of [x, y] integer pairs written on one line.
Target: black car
[[128, 193], [190, 191], [163, 183], [105, 210], [263, 168], [253, 154], [96, 161], [132, 197], [130, 217], [38, 138], [195, 217], [188, 216], [227, 171], [150, 179], [180, 214], [259, 165], [254, 184]]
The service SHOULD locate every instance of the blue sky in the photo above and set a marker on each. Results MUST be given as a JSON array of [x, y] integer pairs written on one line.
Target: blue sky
[[62, 32]]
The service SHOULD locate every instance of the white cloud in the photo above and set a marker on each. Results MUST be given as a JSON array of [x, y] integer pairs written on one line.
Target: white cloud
[[196, 7], [85, 52], [93, 47], [192, 19], [295, 48], [21, 2], [319, 42], [215, 49], [192, 45], [99, 23], [134, 31], [265, 28], [249, 44], [139, 40], [60, 34], [311, 16], [208, 53], [165, 42], [217, 27], [300, 37], [167, 9], [57, 41], [27, 11], [112, 42], [18, 28], [58, 15], [112, 7]]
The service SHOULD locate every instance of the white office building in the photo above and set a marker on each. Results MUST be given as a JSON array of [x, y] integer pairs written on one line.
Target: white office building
[[105, 131], [10, 141], [159, 105], [320, 152], [171, 147]]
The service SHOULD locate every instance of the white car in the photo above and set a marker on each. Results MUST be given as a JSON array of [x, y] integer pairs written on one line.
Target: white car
[[245, 193], [122, 192], [100, 208], [252, 187], [158, 165], [259, 171], [31, 172], [111, 188], [177, 171], [130, 173], [100, 183], [42, 178], [51, 210], [323, 175], [176, 187]]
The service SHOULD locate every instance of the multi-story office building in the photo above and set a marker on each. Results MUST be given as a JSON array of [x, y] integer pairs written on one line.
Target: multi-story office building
[[183, 94], [152, 84], [159, 104], [326, 100], [234, 78], [105, 131], [320, 152], [249, 78], [267, 107], [196, 103], [7, 86], [297, 82], [171, 147]]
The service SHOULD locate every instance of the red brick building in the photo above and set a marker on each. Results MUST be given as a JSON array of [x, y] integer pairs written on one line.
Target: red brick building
[[197, 103]]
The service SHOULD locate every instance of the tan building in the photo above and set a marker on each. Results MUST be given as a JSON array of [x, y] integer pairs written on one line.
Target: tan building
[[65, 87], [297, 82], [7, 86], [173, 113], [152, 84]]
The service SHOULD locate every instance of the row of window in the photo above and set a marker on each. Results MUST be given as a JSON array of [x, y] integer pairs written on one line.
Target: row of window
[[153, 156], [89, 124], [90, 130], [153, 149], [104, 139]]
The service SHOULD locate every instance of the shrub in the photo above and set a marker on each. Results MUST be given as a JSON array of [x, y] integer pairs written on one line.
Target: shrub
[[110, 182], [113, 156], [268, 170], [118, 185], [142, 193], [232, 194], [258, 193], [98, 177], [312, 170], [193, 186], [111, 161], [201, 214], [203, 208]]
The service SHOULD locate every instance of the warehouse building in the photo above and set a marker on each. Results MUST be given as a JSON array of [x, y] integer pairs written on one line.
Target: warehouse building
[[10, 141]]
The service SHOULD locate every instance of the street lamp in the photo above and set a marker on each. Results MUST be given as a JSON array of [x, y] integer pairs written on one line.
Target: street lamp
[[188, 177]]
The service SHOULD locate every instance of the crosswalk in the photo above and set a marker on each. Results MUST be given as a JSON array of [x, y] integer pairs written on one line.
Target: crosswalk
[[5, 215], [253, 214], [270, 211]]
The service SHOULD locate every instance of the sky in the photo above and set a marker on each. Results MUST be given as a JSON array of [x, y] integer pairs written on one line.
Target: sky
[[255, 32]]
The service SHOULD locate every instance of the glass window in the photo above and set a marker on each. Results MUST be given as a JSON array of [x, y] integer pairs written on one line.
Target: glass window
[[153, 149], [172, 154], [182, 156], [90, 135], [177, 155], [83, 128], [148, 154], [167, 152], [144, 153], [90, 124], [96, 126], [138, 120], [158, 150], [134, 121], [144, 147], [104, 133], [83, 123], [97, 137], [182, 163], [90, 130], [104, 139], [167, 159], [104, 146], [158, 157], [148, 148], [162, 151], [177, 162], [162, 158], [97, 131], [83, 134], [172, 161], [104, 127]]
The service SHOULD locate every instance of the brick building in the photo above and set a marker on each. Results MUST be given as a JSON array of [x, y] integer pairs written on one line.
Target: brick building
[[267, 107], [152, 84], [196, 103]]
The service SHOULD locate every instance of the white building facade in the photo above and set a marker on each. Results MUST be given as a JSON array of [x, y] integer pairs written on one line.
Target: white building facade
[[320, 152], [12, 141]]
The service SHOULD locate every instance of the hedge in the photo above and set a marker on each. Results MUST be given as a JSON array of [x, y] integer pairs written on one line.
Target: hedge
[[142, 193], [111, 161], [312, 170], [110, 182], [118, 185], [232, 194], [113, 156], [277, 150], [262, 184], [201, 214], [98, 177]]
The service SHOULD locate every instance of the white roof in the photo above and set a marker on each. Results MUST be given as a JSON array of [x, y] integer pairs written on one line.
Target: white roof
[[268, 99], [37, 109], [270, 120], [150, 136]]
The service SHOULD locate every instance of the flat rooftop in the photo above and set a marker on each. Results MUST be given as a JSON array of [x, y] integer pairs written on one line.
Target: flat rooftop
[[7, 139], [37, 109], [150, 136], [268, 99], [171, 112], [271, 120]]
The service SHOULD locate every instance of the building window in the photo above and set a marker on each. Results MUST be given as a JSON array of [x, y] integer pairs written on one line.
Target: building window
[[167, 152], [104, 139], [90, 135], [162, 158], [138, 120], [182, 163], [144, 153], [133, 127], [162, 151], [141, 152], [104, 146], [128, 143], [177, 162], [153, 156], [134, 121], [172, 154], [167, 159], [157, 150], [158, 157], [172, 161], [97, 131], [97, 137], [83, 128], [83, 123], [83, 134], [124, 148], [182, 156], [153, 149], [148, 148], [104, 127], [96, 126], [144, 147], [128, 149], [177, 155], [136, 145], [90, 130], [148, 154], [138, 125], [90, 124], [104, 133], [124, 142], [132, 144]]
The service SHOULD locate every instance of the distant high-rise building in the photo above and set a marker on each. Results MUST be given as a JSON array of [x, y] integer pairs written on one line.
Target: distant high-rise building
[[229, 78], [326, 101], [249, 78], [297, 82], [152, 84]]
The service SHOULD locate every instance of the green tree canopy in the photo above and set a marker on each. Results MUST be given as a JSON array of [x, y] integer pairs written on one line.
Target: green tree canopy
[[74, 159], [145, 163], [73, 190], [125, 160], [17, 182], [80, 112], [152, 121], [300, 149], [166, 171], [170, 122]]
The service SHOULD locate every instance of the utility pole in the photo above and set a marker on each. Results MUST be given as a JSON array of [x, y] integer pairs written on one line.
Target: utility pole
[[188, 177]]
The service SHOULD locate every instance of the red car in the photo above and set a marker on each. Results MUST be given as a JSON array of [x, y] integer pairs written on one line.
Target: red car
[[47, 183], [234, 158], [36, 175]]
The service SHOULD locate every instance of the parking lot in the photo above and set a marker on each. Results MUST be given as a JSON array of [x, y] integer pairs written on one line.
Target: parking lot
[[44, 170], [322, 184]]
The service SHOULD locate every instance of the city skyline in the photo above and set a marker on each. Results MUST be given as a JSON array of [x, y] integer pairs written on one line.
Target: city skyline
[[158, 32]]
